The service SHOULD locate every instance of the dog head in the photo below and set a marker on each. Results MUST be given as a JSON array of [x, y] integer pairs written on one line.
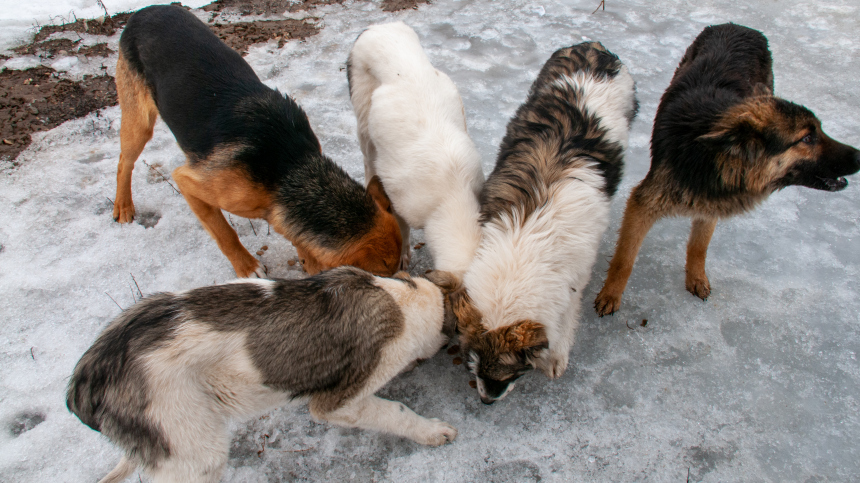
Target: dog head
[[767, 143], [496, 357], [377, 251]]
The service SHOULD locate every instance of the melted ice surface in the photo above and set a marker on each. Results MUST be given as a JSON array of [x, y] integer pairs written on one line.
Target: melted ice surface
[[759, 383]]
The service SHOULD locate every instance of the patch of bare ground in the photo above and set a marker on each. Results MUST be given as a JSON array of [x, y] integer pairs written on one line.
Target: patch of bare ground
[[36, 100], [240, 35], [61, 47], [396, 5], [103, 26], [266, 7]]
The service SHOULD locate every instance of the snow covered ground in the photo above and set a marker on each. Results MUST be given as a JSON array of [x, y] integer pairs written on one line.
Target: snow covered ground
[[759, 383]]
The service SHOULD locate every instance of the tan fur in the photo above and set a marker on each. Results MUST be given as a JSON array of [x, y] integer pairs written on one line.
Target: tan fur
[[138, 119], [210, 191]]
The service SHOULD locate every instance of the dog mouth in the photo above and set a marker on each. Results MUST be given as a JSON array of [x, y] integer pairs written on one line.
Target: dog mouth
[[831, 184]]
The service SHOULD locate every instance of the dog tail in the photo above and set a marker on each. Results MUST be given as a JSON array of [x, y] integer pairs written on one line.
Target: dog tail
[[120, 472], [384, 50]]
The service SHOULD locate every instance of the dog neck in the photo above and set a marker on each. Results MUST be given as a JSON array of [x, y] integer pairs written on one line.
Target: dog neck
[[453, 231]]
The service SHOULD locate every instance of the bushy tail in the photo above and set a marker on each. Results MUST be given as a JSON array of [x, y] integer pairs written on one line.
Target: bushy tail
[[120, 472]]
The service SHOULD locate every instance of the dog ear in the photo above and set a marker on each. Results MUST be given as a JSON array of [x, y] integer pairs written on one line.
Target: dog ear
[[761, 90], [739, 136], [377, 192], [526, 338]]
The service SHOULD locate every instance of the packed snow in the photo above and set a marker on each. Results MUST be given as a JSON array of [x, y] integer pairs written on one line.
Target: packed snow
[[759, 383]]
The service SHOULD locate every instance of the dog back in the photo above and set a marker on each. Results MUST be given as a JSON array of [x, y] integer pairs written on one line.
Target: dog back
[[321, 336]]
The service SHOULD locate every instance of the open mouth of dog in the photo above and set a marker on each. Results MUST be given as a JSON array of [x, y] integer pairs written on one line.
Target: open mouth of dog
[[831, 184]]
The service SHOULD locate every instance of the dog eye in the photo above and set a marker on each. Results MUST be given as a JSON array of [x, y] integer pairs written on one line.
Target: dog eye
[[808, 139]]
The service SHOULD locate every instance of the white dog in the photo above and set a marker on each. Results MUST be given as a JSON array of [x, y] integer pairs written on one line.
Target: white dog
[[544, 210], [412, 130]]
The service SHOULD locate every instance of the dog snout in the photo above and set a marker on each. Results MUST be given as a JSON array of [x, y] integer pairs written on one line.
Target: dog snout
[[487, 400]]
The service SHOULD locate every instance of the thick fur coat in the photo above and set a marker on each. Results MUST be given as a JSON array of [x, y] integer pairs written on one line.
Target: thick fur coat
[[250, 150], [412, 131], [722, 143], [544, 210], [162, 381]]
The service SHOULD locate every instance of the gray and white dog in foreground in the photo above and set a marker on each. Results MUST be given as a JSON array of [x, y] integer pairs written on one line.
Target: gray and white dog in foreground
[[163, 379]]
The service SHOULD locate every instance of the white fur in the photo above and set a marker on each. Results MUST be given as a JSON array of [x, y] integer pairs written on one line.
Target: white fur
[[606, 99], [412, 131], [537, 268], [203, 377]]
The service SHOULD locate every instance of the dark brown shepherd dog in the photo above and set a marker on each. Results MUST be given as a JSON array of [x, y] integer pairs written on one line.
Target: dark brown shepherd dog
[[250, 150], [722, 143]]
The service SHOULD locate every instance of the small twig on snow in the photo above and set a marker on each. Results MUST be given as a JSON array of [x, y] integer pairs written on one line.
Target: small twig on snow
[[602, 4], [102, 5], [31, 354], [136, 285], [252, 227], [114, 301], [154, 169]]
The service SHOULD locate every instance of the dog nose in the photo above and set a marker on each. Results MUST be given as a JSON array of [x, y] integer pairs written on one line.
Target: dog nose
[[487, 400]]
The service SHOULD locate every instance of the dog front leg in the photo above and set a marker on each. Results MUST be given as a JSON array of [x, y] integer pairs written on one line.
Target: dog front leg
[[638, 220], [697, 249], [406, 248], [213, 221], [391, 417]]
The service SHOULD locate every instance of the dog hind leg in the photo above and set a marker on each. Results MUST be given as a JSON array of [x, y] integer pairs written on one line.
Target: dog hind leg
[[391, 417], [697, 249], [196, 191], [638, 220], [138, 119], [124, 468]]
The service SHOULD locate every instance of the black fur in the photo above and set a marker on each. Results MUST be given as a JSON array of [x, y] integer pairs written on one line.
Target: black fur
[[210, 97], [720, 69], [725, 66]]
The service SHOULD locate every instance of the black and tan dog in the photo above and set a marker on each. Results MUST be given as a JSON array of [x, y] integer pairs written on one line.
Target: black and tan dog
[[722, 143], [250, 150], [162, 381]]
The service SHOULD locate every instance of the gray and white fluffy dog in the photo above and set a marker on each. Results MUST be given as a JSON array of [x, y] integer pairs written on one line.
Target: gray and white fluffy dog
[[164, 378]]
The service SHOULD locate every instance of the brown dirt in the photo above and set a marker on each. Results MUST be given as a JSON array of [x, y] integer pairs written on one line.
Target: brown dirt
[[97, 50], [61, 47], [36, 100], [242, 34], [91, 26], [395, 5], [266, 7]]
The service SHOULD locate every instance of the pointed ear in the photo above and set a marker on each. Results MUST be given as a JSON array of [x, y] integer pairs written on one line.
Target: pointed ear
[[761, 90], [377, 192], [738, 136], [526, 338]]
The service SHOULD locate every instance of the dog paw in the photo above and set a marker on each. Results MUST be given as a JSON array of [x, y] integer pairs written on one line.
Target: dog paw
[[257, 270], [556, 366], [436, 433], [606, 303], [260, 272], [405, 259], [123, 212], [699, 286]]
